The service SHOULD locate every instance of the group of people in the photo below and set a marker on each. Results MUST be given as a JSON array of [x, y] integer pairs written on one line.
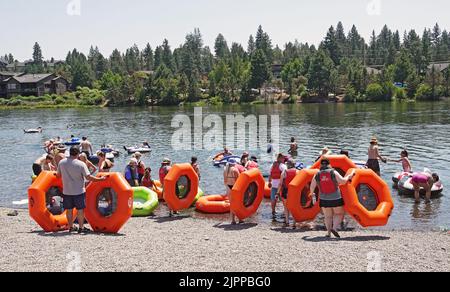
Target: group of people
[[56, 152]]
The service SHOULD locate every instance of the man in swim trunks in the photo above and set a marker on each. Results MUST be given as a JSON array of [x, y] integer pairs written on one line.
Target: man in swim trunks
[[86, 147], [374, 157]]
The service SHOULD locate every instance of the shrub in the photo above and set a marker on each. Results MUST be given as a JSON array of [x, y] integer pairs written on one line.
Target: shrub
[[400, 93], [350, 94], [424, 92], [374, 92]]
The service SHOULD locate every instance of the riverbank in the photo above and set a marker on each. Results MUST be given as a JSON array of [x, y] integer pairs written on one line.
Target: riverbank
[[195, 245]]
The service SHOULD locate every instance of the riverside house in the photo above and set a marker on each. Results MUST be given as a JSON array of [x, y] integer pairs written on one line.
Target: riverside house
[[14, 84]]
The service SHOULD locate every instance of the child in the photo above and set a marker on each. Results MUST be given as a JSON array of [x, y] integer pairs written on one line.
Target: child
[[147, 180], [406, 163]]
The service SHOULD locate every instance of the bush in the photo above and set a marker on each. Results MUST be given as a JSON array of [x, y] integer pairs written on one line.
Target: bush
[[59, 100], [215, 100], [374, 92], [424, 92], [400, 93], [380, 92], [350, 94], [14, 102]]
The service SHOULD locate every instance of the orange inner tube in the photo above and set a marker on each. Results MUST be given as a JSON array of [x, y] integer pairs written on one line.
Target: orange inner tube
[[385, 205], [124, 203], [170, 187], [298, 203], [213, 204], [37, 203], [339, 162], [241, 205]]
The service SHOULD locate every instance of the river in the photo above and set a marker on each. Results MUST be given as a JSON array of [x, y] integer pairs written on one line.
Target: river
[[422, 128]]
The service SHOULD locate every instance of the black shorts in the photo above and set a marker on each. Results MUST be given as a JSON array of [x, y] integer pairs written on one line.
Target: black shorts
[[88, 154], [74, 202], [284, 193], [37, 169], [332, 203], [374, 164]]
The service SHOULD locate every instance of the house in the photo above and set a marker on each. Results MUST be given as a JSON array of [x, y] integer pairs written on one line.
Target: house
[[32, 85], [276, 70], [440, 67], [373, 71]]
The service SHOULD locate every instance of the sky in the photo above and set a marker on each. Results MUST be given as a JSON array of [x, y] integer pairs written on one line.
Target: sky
[[61, 25]]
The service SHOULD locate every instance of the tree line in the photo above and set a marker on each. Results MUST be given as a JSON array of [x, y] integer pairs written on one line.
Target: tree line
[[387, 66]]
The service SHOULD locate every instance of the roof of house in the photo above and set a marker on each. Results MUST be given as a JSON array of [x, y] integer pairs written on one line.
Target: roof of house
[[9, 73], [31, 78], [372, 70], [439, 66]]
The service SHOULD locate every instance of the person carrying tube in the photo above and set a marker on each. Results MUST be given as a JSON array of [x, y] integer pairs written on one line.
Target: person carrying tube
[[331, 201]]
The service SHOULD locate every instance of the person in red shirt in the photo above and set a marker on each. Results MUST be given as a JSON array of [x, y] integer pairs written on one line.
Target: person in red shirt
[[286, 178]]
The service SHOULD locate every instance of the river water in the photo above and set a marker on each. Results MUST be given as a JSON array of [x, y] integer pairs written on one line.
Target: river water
[[422, 128]]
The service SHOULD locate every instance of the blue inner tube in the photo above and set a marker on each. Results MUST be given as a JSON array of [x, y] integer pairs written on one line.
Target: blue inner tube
[[226, 159]]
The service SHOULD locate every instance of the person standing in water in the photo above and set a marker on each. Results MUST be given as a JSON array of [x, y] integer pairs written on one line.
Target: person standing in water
[[404, 160], [86, 147], [331, 201], [230, 177], [293, 148], [374, 157]]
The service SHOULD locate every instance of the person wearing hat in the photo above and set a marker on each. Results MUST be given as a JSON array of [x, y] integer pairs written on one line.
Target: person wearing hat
[[230, 177], [324, 152], [331, 201], [74, 173], [425, 180], [164, 169], [140, 166], [286, 178], [278, 167], [60, 154], [374, 157], [131, 173]]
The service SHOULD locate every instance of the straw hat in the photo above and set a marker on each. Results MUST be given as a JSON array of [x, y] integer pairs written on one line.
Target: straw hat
[[167, 161], [374, 140], [325, 151]]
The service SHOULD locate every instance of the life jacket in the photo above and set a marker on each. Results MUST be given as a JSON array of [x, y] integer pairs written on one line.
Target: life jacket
[[326, 180], [240, 168], [252, 165], [163, 171], [140, 168], [275, 172], [130, 174], [147, 182], [290, 175]]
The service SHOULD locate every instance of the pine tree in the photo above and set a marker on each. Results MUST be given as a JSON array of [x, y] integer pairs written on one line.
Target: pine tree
[[251, 47], [260, 71], [331, 46], [147, 56], [221, 47]]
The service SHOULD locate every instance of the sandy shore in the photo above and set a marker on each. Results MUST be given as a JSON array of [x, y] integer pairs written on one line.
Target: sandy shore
[[187, 244]]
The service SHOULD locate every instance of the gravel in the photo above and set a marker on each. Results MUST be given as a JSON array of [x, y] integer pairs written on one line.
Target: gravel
[[186, 244]]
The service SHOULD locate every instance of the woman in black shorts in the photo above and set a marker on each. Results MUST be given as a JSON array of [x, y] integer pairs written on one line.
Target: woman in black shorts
[[331, 201]]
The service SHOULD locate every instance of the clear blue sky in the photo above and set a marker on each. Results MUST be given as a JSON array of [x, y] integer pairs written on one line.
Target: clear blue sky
[[119, 24]]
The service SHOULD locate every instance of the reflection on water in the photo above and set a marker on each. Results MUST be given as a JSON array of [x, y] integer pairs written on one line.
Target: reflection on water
[[422, 128]]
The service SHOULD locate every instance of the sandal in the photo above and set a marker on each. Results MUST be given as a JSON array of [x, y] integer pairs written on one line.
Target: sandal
[[73, 229], [84, 231], [335, 233]]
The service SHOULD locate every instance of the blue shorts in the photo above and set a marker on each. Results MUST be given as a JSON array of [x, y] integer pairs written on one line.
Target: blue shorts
[[74, 202], [274, 194]]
